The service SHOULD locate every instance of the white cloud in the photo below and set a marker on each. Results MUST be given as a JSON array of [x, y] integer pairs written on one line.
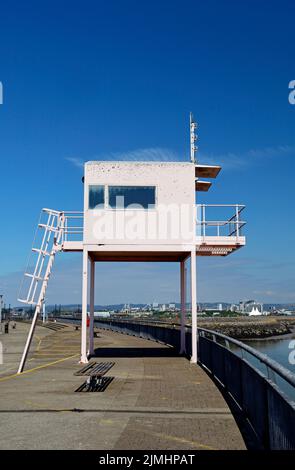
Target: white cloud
[[146, 154], [77, 162], [230, 160], [236, 161], [156, 154]]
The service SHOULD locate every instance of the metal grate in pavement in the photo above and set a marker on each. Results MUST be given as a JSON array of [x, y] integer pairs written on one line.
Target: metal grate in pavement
[[95, 384], [95, 368]]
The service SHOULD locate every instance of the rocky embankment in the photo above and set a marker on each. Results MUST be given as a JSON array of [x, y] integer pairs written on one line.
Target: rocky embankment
[[247, 328]]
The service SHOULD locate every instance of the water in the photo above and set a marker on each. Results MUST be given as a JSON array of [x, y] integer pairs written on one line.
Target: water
[[279, 350]]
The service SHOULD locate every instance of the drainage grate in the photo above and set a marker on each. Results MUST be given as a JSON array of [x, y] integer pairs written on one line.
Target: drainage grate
[[95, 384], [95, 368]]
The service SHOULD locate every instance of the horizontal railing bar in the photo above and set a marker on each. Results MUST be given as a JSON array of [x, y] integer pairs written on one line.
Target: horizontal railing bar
[[219, 222], [222, 205], [51, 211], [278, 368], [73, 232]]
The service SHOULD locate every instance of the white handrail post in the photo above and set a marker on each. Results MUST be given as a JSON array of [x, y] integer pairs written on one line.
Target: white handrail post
[[204, 219], [63, 222], [237, 220]]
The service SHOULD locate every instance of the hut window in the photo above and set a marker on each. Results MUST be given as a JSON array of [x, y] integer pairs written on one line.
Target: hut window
[[96, 197], [141, 197]]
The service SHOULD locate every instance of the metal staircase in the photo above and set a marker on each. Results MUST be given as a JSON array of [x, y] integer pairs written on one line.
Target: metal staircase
[[49, 236]]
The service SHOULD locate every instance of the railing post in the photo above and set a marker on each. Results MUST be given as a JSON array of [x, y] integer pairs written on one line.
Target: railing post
[[63, 227], [204, 220]]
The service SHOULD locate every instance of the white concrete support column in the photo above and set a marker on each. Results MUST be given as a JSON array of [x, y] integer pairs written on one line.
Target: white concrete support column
[[194, 305], [91, 310], [182, 306], [84, 359]]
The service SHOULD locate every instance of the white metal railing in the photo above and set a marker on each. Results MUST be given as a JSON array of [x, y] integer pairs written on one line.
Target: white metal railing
[[211, 225], [72, 223]]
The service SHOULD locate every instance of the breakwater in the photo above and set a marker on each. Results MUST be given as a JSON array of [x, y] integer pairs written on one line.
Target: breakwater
[[248, 328]]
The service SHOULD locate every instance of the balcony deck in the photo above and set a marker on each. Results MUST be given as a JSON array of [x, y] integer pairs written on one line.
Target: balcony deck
[[205, 246]]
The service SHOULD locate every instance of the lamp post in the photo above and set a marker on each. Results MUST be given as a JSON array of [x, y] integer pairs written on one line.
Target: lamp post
[[1, 302], [44, 312]]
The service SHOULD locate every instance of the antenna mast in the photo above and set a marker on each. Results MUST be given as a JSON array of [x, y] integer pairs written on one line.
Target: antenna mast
[[193, 138]]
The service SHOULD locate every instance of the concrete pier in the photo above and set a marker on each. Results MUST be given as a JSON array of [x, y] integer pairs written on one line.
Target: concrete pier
[[157, 400]]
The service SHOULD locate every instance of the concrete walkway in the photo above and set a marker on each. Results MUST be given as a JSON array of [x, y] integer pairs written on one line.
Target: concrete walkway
[[157, 400]]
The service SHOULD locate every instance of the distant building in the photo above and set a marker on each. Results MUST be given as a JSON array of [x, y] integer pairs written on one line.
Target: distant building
[[126, 309], [254, 312], [251, 307], [102, 314], [234, 308]]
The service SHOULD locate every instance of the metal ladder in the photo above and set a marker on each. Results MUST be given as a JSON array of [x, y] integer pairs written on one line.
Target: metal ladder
[[52, 234]]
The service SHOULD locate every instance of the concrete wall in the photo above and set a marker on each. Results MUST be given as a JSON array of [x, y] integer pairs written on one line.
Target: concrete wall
[[172, 221]]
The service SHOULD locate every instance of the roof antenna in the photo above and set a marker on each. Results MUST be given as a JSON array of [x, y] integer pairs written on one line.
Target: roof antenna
[[193, 138]]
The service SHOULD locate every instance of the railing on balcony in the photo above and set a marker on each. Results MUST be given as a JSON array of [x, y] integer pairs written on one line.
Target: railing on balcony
[[216, 220], [219, 220], [72, 225]]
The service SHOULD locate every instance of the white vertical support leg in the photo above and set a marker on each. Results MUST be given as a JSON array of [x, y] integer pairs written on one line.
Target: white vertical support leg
[[91, 310], [84, 359], [183, 306], [194, 357]]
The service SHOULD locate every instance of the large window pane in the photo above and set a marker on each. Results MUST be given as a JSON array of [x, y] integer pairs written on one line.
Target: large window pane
[[96, 196], [122, 196]]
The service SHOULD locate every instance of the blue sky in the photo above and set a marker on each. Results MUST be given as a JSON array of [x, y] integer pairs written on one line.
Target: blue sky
[[103, 80]]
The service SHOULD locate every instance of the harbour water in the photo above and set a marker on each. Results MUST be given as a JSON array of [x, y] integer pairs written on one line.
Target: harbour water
[[279, 349], [282, 351]]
